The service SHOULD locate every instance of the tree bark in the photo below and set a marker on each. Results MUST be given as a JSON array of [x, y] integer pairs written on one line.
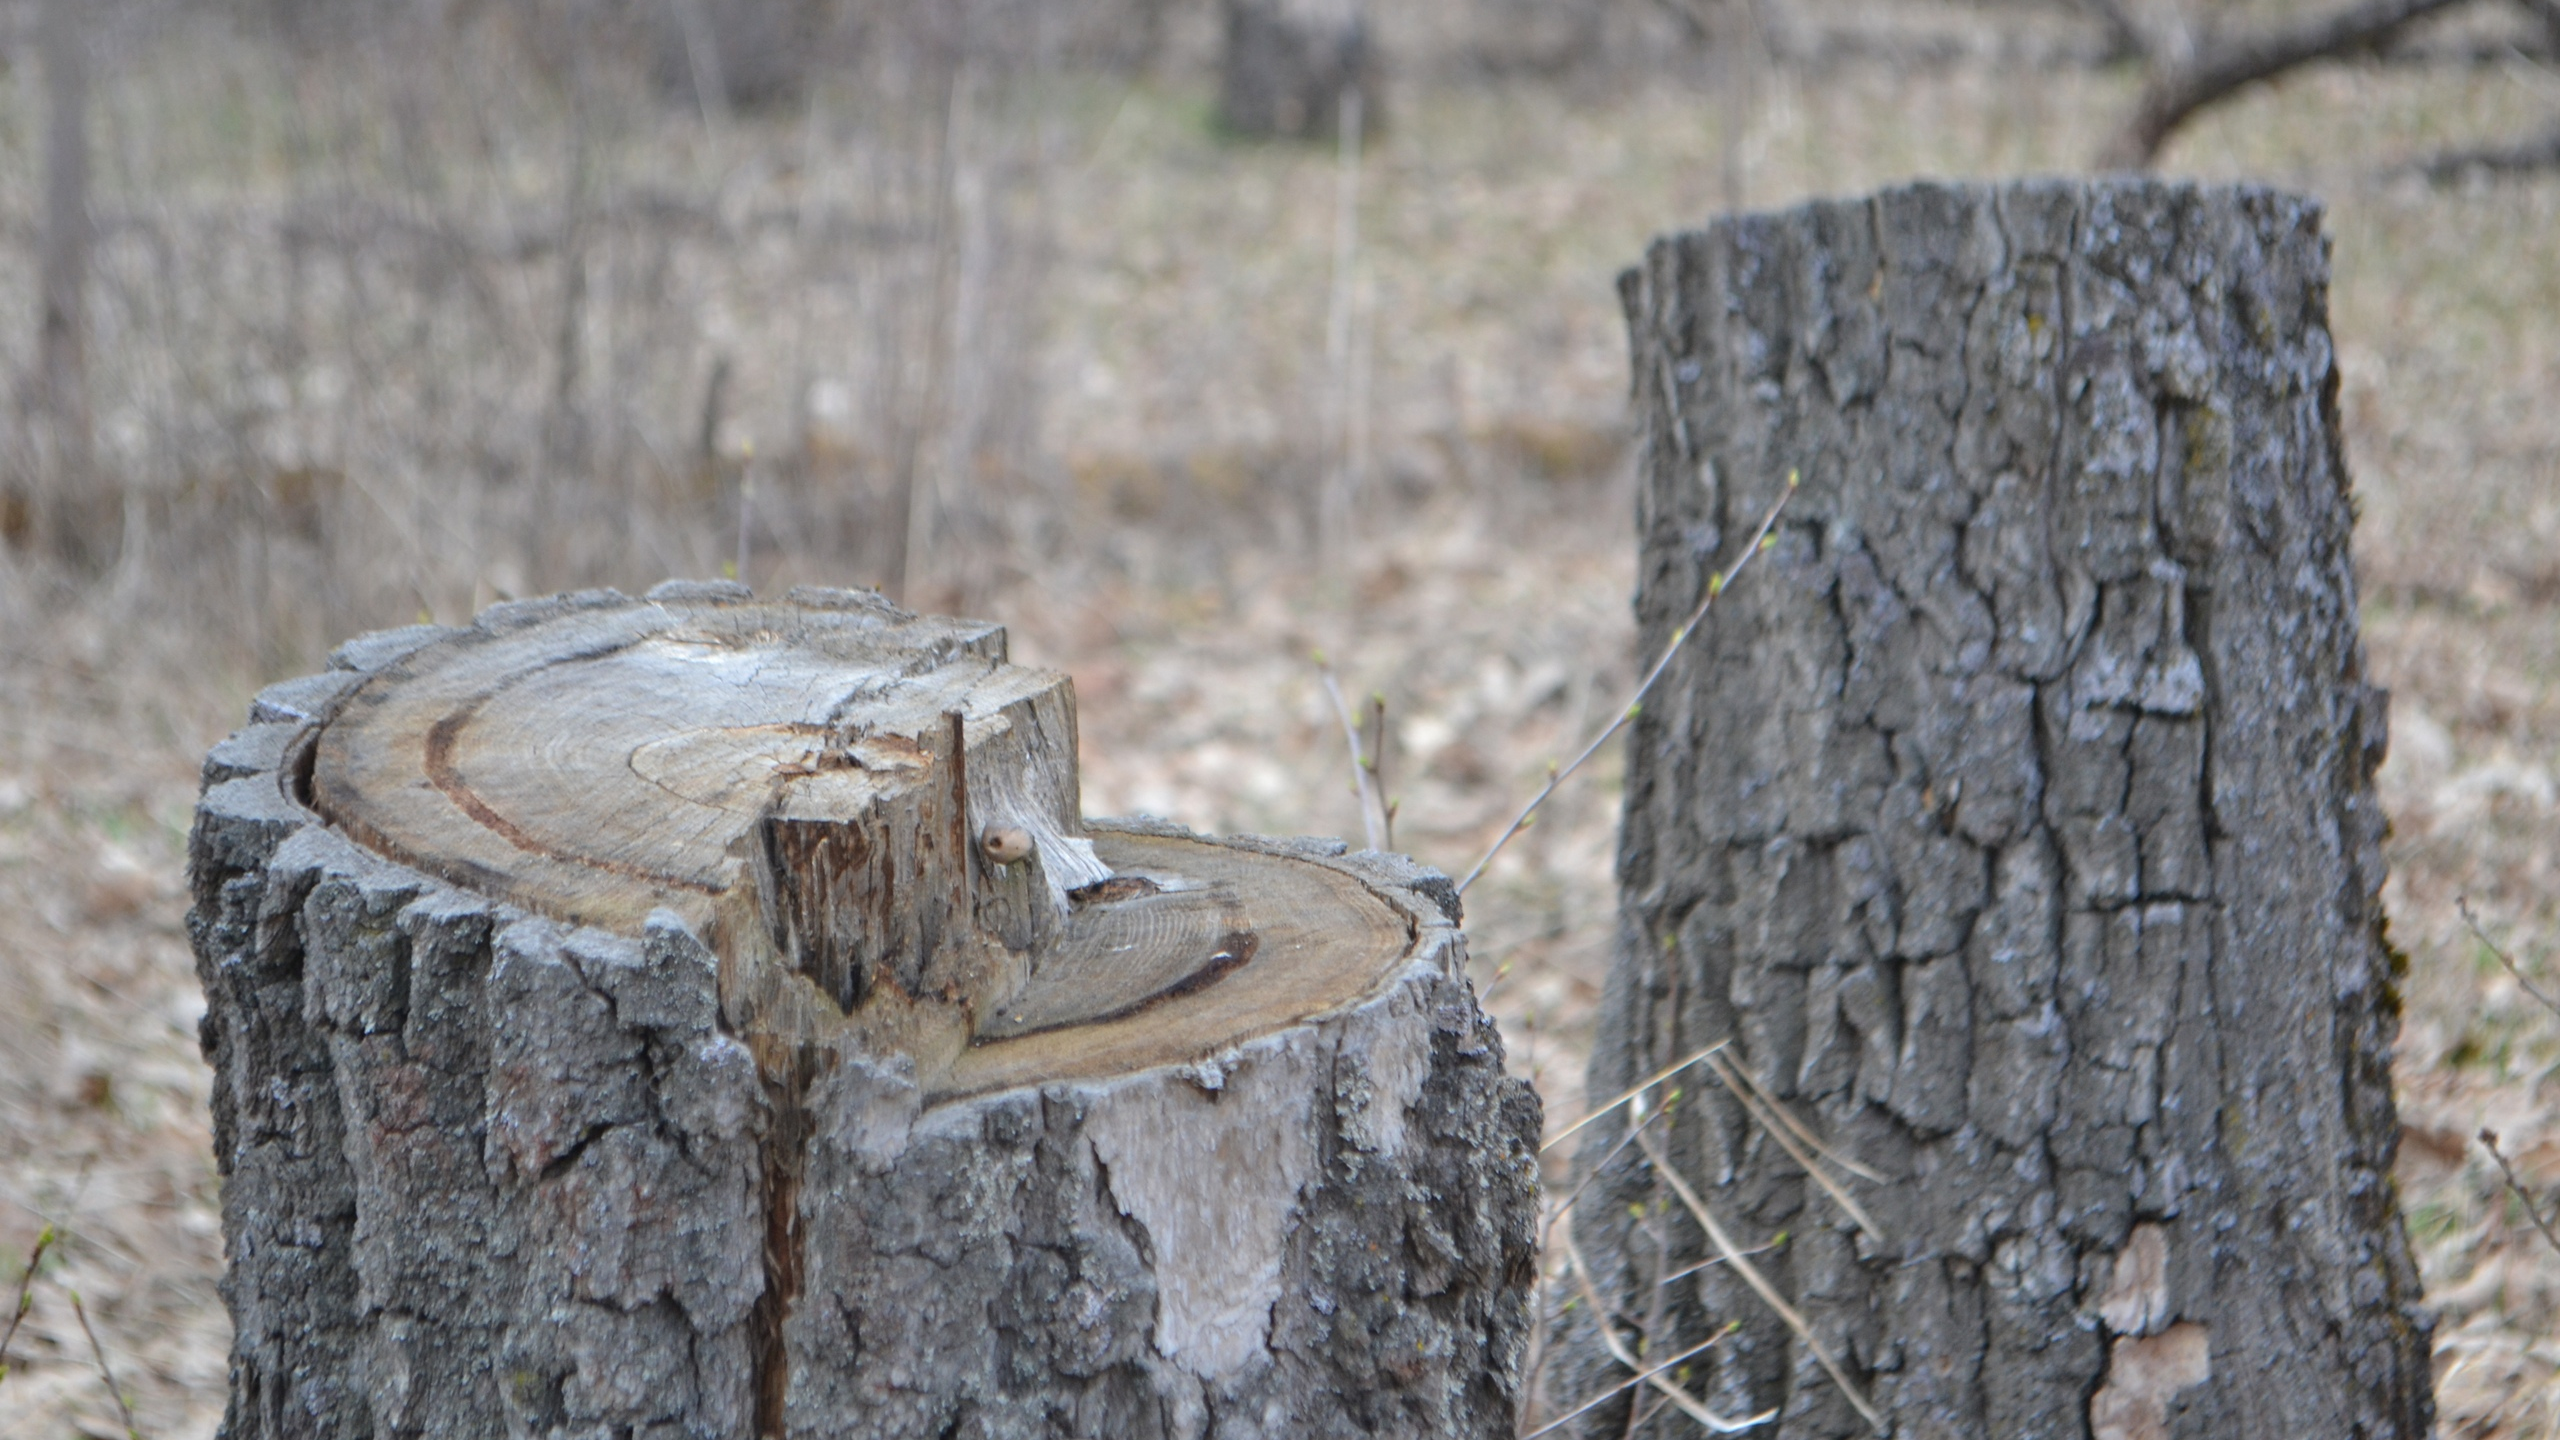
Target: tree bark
[[702, 1017], [2016, 826]]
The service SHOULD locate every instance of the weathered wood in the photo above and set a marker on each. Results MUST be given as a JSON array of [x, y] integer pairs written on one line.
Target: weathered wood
[[2014, 818], [709, 1017]]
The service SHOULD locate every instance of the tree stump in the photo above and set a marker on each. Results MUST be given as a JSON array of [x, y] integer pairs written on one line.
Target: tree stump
[[1289, 65], [693, 1016], [2013, 818]]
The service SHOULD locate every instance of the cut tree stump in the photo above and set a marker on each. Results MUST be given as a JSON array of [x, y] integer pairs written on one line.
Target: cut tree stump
[[2013, 818], [696, 1016]]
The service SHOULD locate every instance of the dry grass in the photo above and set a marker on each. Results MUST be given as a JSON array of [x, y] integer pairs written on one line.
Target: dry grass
[[1134, 498]]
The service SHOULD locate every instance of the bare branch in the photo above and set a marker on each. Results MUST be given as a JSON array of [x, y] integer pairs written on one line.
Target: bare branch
[[1630, 1093], [2515, 1187], [65, 505], [1623, 1386], [105, 1372], [1716, 585], [1759, 1283], [1767, 1114], [1377, 730], [26, 1295], [2488, 1137], [1364, 770], [1771, 1117], [2175, 93], [2463, 904], [1618, 1351], [1787, 1117], [1593, 1172], [2541, 153]]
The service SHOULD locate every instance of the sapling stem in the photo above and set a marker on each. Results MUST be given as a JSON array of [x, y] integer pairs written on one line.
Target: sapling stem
[[106, 1372], [1716, 585], [26, 1295], [1374, 820]]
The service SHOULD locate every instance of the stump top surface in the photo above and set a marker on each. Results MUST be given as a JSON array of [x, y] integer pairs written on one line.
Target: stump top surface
[[605, 760], [596, 763]]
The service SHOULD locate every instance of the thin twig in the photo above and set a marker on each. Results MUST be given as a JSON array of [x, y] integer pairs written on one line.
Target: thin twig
[[1618, 1351], [1787, 1117], [1364, 770], [1716, 585], [2463, 904], [105, 1372], [1377, 767], [1656, 1326], [1711, 1262], [1593, 1172], [1623, 1386], [1630, 1093], [1751, 1275], [1546, 1234], [1760, 1110], [1779, 1123], [26, 1295], [2515, 1186]]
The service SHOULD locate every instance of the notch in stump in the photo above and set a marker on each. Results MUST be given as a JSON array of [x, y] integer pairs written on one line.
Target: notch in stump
[[872, 876]]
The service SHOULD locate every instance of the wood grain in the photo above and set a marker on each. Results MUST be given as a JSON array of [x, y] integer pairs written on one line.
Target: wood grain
[[829, 771]]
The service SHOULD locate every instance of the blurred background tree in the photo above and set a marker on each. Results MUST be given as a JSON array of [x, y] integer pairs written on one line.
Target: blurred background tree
[[1293, 68]]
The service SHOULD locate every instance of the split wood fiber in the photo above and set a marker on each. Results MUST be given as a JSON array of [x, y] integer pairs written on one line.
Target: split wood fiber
[[2016, 823], [696, 1016]]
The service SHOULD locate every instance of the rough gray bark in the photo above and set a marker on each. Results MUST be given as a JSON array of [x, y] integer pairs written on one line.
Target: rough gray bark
[[488, 1170], [2015, 822]]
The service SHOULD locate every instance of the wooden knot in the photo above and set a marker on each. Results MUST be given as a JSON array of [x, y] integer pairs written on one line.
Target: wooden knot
[[1006, 844]]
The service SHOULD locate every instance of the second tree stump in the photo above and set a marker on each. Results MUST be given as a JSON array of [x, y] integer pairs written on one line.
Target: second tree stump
[[2014, 824]]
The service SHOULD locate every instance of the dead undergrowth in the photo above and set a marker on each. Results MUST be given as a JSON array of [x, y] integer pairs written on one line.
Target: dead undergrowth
[[1146, 525]]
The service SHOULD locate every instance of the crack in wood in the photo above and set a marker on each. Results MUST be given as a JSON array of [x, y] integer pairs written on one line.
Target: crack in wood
[[785, 1160]]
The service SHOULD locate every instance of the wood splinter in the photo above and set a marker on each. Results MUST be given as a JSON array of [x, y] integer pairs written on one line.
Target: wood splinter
[[696, 1015]]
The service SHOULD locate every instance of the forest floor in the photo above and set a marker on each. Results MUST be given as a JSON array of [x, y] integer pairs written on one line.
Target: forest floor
[[1482, 593]]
